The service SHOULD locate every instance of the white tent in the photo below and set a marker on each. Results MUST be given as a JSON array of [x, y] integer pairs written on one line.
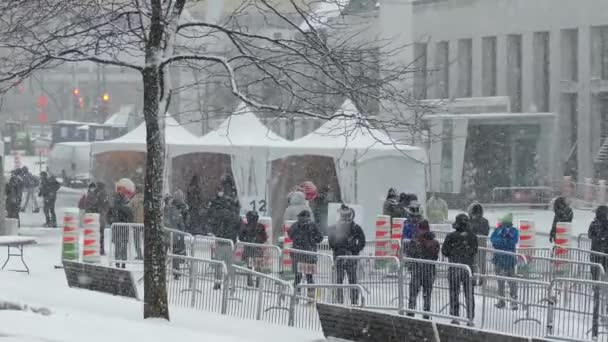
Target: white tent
[[249, 143], [367, 161], [135, 141]]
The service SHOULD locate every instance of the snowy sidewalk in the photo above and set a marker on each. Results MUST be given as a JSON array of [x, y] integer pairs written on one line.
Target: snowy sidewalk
[[80, 315]]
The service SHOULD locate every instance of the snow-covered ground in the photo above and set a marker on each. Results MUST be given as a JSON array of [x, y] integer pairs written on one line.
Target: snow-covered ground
[[80, 315]]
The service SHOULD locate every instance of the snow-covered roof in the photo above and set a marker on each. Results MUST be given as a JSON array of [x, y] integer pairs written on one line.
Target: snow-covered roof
[[349, 135], [135, 140], [238, 134], [120, 118]]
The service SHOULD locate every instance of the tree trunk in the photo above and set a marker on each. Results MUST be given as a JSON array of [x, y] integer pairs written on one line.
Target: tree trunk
[[155, 289]]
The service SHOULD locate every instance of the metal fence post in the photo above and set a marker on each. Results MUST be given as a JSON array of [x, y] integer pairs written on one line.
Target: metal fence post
[[550, 309], [258, 311], [292, 309], [192, 282], [226, 282], [401, 289]]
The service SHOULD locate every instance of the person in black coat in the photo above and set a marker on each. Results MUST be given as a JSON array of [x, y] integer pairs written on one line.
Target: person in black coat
[[598, 233], [305, 235], [14, 193], [391, 206], [194, 199], [461, 247], [253, 232], [120, 212], [48, 191], [346, 238], [423, 246], [481, 227], [563, 213]]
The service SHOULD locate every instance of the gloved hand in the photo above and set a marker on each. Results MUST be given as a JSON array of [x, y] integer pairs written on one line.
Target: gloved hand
[[552, 237]]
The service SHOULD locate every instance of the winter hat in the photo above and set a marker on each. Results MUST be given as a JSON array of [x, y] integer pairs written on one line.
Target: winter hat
[[601, 213], [252, 216], [461, 223], [507, 219], [391, 193], [126, 187]]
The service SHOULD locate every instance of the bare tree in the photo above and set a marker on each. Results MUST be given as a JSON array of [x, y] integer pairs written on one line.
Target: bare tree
[[328, 55]]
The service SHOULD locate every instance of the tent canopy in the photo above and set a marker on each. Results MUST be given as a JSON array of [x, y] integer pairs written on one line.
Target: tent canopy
[[135, 140], [239, 134], [348, 137]]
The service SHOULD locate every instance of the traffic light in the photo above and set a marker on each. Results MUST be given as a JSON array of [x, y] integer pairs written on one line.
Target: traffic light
[[105, 97], [76, 92]]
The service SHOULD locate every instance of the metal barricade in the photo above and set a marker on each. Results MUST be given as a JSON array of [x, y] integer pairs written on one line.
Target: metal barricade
[[191, 282], [179, 242], [514, 305], [496, 262], [547, 269], [536, 252], [258, 296], [371, 247], [324, 248], [210, 247], [440, 285], [303, 312], [579, 315], [312, 267], [262, 258], [379, 276], [127, 244], [583, 255], [583, 242]]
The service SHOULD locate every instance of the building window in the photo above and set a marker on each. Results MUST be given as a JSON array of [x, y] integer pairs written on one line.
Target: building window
[[465, 68], [442, 70], [570, 55], [599, 52], [514, 71], [488, 61], [420, 72], [541, 71]]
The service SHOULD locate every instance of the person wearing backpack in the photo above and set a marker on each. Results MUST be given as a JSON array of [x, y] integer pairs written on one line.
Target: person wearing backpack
[[505, 238], [461, 247]]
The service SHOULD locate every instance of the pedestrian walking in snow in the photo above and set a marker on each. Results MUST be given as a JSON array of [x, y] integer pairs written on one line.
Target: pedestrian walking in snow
[[505, 238], [346, 238], [48, 191], [305, 235], [30, 184], [14, 193], [460, 247], [563, 213], [424, 246], [253, 232]]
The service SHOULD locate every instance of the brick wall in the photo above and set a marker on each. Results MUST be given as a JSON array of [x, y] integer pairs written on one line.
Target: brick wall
[[110, 280], [370, 326]]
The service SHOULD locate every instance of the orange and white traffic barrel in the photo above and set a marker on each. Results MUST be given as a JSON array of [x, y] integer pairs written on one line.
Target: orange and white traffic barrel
[[91, 247]]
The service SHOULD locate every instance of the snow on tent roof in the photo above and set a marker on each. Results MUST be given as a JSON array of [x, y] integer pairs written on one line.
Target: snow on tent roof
[[135, 140], [348, 134], [120, 118], [239, 133]]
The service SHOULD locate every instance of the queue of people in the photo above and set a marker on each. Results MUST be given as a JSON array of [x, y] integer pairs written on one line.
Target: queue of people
[[22, 183]]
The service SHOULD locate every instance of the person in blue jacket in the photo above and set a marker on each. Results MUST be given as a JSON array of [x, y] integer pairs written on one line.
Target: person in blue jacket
[[505, 238], [412, 221]]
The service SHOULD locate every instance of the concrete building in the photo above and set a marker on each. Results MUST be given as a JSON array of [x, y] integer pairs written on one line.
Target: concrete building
[[546, 56]]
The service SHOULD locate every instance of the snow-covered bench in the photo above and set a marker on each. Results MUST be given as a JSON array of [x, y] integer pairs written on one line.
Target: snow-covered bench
[[16, 242]]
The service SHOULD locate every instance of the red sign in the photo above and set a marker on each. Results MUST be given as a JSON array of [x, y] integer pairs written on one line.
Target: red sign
[[42, 117], [43, 102]]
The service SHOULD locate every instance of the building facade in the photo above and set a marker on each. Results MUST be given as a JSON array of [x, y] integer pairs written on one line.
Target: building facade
[[546, 56]]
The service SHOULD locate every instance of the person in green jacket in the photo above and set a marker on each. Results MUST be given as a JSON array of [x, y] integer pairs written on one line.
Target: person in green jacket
[[437, 210]]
